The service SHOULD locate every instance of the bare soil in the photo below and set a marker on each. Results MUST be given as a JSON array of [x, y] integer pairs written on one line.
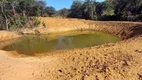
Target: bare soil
[[6, 35], [113, 61]]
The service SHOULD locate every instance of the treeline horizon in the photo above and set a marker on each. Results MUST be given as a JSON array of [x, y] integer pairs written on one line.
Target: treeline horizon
[[109, 10], [24, 13]]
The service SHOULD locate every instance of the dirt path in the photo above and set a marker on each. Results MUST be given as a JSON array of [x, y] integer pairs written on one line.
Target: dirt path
[[28, 68]]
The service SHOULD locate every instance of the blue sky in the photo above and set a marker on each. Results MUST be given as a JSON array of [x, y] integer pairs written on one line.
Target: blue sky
[[59, 4]]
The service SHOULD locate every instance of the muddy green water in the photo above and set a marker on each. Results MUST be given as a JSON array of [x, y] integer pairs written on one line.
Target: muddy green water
[[31, 44]]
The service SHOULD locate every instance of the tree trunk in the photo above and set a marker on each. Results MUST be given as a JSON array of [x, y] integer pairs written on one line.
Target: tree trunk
[[3, 14]]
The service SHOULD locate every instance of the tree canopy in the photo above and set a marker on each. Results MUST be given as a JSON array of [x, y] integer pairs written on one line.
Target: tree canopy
[[130, 10], [20, 13]]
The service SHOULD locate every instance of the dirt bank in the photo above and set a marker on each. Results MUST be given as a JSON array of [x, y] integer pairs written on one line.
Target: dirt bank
[[54, 25], [6, 35], [113, 61]]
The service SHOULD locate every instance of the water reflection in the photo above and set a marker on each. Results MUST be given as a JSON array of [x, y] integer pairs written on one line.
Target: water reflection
[[39, 44], [64, 42]]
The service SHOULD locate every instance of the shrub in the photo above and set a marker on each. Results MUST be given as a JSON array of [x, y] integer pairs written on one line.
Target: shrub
[[107, 18], [139, 18], [36, 21]]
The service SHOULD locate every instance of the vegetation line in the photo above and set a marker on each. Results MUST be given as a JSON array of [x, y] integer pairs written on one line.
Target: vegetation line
[[15, 14]]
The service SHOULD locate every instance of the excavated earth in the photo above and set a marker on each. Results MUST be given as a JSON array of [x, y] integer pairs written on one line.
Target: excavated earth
[[112, 61]]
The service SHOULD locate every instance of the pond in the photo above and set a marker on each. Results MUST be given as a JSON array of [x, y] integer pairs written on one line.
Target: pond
[[31, 44]]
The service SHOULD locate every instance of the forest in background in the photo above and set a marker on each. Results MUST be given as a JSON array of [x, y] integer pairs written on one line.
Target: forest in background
[[16, 14], [109, 10], [23, 13]]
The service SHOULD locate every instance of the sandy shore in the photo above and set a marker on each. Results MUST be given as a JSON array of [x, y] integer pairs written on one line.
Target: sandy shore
[[6, 35], [113, 61]]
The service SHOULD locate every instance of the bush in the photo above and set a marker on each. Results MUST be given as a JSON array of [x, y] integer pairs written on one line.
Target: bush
[[139, 18], [107, 18], [36, 21], [135, 18]]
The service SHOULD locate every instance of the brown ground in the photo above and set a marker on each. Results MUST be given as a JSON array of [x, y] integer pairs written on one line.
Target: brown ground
[[55, 25], [5, 35], [114, 61]]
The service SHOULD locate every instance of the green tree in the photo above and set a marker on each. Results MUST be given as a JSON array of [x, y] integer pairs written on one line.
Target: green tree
[[100, 6], [63, 12], [50, 11], [89, 9], [4, 17], [75, 11], [125, 8], [109, 7], [16, 13]]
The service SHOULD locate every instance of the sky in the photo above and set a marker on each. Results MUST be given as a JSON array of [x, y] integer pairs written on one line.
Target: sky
[[59, 4]]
